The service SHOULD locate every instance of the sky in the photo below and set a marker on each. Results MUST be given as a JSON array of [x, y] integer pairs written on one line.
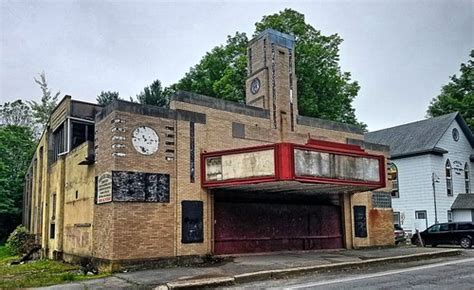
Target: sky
[[400, 52]]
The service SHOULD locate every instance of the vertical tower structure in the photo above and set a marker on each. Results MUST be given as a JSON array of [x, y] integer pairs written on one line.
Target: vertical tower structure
[[271, 82]]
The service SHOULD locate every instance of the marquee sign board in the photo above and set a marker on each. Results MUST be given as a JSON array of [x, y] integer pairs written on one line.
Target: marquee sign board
[[330, 165], [240, 165]]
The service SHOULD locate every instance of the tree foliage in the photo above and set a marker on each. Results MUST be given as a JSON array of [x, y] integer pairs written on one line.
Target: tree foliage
[[153, 95], [324, 90], [457, 95], [16, 150], [221, 72], [43, 109], [107, 97], [16, 113]]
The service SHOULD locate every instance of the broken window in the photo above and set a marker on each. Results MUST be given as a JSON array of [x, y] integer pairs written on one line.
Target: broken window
[[59, 141], [81, 132]]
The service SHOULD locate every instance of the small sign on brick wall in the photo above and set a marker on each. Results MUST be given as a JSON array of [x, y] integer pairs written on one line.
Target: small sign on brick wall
[[104, 188]]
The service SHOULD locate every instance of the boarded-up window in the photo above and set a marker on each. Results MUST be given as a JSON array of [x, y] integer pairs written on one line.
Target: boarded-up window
[[360, 222], [192, 222]]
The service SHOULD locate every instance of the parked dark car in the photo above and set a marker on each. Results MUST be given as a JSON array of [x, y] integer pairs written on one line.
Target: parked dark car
[[459, 233], [399, 233]]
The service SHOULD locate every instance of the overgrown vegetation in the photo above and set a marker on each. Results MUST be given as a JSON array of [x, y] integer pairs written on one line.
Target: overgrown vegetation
[[20, 241], [37, 273]]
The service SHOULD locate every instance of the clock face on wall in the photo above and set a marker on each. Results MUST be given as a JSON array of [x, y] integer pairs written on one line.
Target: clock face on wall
[[145, 140], [255, 86]]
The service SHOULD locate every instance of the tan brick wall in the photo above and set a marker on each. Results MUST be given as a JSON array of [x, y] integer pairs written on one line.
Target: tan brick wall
[[79, 210], [135, 230]]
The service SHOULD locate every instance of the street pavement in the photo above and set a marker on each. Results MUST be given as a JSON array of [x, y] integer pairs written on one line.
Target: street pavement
[[324, 266], [441, 273]]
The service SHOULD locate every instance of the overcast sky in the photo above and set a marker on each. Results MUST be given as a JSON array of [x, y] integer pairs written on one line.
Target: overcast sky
[[401, 53]]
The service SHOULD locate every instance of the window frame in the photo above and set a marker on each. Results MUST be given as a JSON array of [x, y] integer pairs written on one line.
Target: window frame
[[396, 213], [395, 192], [423, 212], [450, 216], [449, 177]]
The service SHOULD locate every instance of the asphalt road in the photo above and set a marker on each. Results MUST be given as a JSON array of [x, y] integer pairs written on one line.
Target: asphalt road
[[445, 273]]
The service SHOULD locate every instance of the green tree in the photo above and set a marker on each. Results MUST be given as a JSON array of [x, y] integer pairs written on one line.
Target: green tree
[[221, 72], [42, 110], [16, 149], [153, 95], [16, 113], [105, 98], [324, 90], [457, 95]]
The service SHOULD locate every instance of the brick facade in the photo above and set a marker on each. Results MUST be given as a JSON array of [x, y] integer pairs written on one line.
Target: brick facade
[[119, 231]]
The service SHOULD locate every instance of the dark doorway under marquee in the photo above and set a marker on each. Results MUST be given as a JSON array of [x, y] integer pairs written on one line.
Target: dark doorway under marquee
[[245, 224]]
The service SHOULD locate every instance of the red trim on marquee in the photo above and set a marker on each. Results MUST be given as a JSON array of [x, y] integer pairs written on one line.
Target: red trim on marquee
[[285, 164]]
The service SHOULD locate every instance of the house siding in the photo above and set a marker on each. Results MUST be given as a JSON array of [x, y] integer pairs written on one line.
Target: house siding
[[415, 180]]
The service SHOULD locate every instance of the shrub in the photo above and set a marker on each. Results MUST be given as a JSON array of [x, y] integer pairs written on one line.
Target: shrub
[[20, 241], [68, 276]]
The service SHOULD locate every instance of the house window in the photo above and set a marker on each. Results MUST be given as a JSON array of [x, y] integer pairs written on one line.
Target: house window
[[420, 215], [466, 178], [396, 218], [450, 216], [449, 178], [392, 172]]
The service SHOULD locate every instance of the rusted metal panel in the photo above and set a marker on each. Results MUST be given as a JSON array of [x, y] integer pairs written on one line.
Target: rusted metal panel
[[250, 227]]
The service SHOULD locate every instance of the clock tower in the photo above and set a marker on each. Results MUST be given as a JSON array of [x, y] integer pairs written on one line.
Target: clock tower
[[271, 82]]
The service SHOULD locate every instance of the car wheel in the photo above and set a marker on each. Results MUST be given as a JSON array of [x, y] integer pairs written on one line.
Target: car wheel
[[465, 243]]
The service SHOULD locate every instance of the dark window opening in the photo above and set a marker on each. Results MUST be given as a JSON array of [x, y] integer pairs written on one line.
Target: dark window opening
[[81, 132], [77, 194], [52, 230], [59, 142]]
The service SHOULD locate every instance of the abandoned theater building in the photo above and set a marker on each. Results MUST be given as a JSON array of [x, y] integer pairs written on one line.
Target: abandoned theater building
[[128, 182]]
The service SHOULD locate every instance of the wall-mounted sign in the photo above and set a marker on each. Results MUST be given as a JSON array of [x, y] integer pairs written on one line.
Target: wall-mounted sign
[[241, 165], [330, 165], [104, 188], [458, 167]]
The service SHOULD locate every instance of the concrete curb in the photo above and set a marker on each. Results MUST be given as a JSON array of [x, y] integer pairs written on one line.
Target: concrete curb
[[268, 274]]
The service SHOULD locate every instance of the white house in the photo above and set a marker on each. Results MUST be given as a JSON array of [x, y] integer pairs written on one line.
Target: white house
[[432, 168]]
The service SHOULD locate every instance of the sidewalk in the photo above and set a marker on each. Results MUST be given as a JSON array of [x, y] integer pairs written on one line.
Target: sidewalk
[[257, 267]]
